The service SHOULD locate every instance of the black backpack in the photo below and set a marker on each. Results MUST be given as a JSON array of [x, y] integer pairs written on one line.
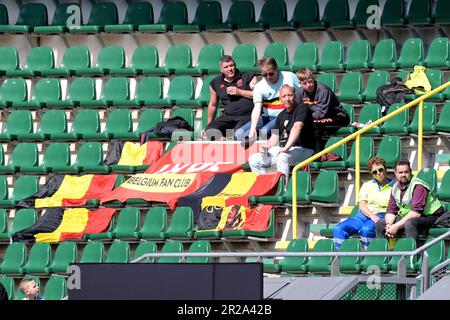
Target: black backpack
[[394, 91]]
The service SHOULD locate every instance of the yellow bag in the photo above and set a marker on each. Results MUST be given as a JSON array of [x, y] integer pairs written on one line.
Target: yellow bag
[[418, 81]]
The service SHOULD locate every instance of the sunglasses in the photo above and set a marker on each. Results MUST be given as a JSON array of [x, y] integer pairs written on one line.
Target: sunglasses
[[379, 170], [268, 74]]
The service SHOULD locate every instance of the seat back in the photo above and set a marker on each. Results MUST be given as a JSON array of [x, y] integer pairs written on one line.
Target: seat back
[[103, 13], [119, 252], [279, 51], [3, 221], [351, 86], [438, 53], [173, 13], [25, 155], [139, 13], [306, 11], [8, 284], [33, 15], [361, 15], [326, 188], [40, 58], [419, 12], [411, 53], [10, 58], [429, 175], [393, 11], [149, 88], [181, 88], [39, 258], [366, 152], [90, 153], [111, 57], [244, 56], [76, 57], [155, 223], [24, 187], [47, 90], [273, 11], [202, 246], [55, 289], [292, 263], [306, 55], [148, 119], [358, 55], [397, 124], [208, 13], [127, 222], [145, 57], [332, 56], [81, 89], [241, 12], [119, 120], [3, 14], [53, 121], [65, 254], [63, 13], [178, 57], [205, 94], [350, 263], [181, 223], [144, 248], [376, 245], [390, 150], [185, 113], [116, 89], [336, 12], [209, 56], [429, 118], [23, 219], [321, 264], [93, 252], [14, 90], [376, 79], [14, 258], [328, 79], [403, 244], [385, 55], [86, 121], [303, 187], [171, 247]]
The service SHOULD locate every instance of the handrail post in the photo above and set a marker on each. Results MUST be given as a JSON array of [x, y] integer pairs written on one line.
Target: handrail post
[[420, 138], [294, 203], [357, 167]]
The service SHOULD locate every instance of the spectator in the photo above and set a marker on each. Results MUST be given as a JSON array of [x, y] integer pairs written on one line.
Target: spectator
[[373, 201], [267, 105], [412, 208], [327, 111], [234, 89], [292, 131], [30, 289]]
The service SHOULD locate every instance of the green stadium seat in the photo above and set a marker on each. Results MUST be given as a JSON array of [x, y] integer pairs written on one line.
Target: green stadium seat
[[370, 113], [279, 51], [240, 13], [82, 92], [3, 15], [10, 59], [63, 14], [119, 252], [47, 93], [65, 254], [38, 59], [86, 123], [74, 58], [268, 233], [144, 248], [390, 150], [199, 246], [361, 15], [23, 157], [306, 15], [24, 187], [332, 57], [53, 123], [118, 126], [171, 247], [137, 14], [438, 54], [116, 92], [351, 113], [320, 264], [276, 197], [272, 12], [351, 87], [155, 224], [350, 264], [326, 188], [419, 13], [366, 152], [340, 151], [110, 57], [205, 94], [14, 258], [244, 55], [429, 176], [102, 13], [376, 245], [19, 125], [435, 77], [57, 154], [171, 13], [181, 224], [443, 192], [376, 79], [181, 91], [13, 91], [89, 160], [411, 53], [393, 13], [30, 16], [149, 92], [55, 289], [443, 125], [23, 219], [305, 56], [429, 119], [127, 223], [385, 55], [3, 222], [178, 57], [442, 13], [397, 124], [291, 264], [185, 113], [328, 79], [436, 255], [144, 58], [93, 252], [147, 120], [359, 55], [207, 13], [337, 15], [40, 256], [207, 62], [8, 284], [403, 244]]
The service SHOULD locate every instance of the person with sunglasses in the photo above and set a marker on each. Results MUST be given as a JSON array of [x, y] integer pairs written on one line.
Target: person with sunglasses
[[373, 202], [327, 111], [266, 100], [413, 208]]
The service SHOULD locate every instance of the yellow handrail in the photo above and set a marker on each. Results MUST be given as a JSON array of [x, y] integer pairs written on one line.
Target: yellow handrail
[[356, 136]]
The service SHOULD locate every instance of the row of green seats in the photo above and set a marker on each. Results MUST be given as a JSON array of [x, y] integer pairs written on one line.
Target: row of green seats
[[178, 60], [55, 288], [40, 261], [139, 16]]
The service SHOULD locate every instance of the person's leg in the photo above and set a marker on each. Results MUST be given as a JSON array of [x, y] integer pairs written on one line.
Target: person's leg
[[367, 231], [345, 229], [287, 159], [265, 129], [219, 124], [244, 130], [380, 229], [414, 227], [262, 164]]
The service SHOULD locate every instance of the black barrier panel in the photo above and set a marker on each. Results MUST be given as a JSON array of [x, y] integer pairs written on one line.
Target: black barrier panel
[[142, 281]]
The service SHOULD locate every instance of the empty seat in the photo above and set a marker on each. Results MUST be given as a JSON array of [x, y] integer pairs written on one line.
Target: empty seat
[[38, 259], [393, 13], [13, 91], [403, 244], [55, 289], [144, 248], [82, 92], [23, 219], [279, 51], [10, 59], [93, 252], [149, 92], [385, 55], [390, 150], [144, 59], [366, 152], [320, 264], [30, 15], [419, 13], [24, 187], [137, 14], [109, 57], [350, 264], [89, 160], [171, 247], [74, 58], [370, 113], [46, 93], [155, 224], [38, 59], [337, 15], [328, 79], [305, 56], [358, 55], [429, 119], [245, 56], [240, 13], [3, 14], [199, 246], [306, 15], [119, 252], [14, 258], [23, 157], [171, 13], [351, 114], [181, 224], [147, 120], [8, 285], [397, 124], [19, 125], [62, 18], [292, 264], [272, 12], [181, 91], [86, 123], [57, 154], [436, 255], [207, 12], [102, 13], [376, 245], [429, 176], [362, 14], [207, 62], [411, 53], [350, 88], [438, 54], [65, 254], [116, 92], [326, 187], [53, 123], [442, 13], [332, 57], [178, 57], [127, 225], [376, 79]]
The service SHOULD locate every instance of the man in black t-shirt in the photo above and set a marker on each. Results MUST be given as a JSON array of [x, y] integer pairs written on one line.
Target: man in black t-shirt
[[234, 89], [295, 137]]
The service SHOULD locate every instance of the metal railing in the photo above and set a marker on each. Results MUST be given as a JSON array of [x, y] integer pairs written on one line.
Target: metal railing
[[357, 136]]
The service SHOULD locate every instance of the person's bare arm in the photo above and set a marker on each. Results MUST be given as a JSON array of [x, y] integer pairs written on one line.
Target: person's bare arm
[[256, 113], [235, 91], [394, 228], [366, 211], [212, 105]]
